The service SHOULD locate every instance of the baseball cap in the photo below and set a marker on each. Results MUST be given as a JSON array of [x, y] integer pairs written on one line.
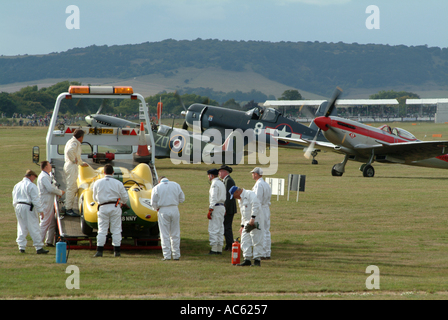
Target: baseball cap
[[258, 170], [232, 191], [214, 172]]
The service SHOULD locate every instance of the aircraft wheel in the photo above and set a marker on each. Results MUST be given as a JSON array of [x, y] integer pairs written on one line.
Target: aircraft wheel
[[314, 162], [368, 171], [336, 173]]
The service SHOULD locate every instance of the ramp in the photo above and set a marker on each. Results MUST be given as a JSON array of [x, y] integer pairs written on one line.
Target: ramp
[[69, 230]]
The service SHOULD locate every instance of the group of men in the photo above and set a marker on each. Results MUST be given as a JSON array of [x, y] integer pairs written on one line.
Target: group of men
[[30, 200], [255, 215]]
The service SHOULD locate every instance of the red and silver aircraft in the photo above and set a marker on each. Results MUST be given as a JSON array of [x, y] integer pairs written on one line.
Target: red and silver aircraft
[[363, 143]]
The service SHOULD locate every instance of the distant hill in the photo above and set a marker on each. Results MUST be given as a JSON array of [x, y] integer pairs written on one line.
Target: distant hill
[[310, 66]]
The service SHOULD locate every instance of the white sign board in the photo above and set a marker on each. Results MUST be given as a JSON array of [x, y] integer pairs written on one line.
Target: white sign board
[[277, 186]]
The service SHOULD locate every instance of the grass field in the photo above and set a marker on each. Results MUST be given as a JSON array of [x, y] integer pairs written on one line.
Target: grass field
[[321, 245]]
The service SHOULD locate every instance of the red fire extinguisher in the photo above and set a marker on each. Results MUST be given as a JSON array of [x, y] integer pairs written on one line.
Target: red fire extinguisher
[[236, 252]]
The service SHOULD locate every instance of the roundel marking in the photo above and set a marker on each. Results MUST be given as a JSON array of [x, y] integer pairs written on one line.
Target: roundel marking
[[177, 143]]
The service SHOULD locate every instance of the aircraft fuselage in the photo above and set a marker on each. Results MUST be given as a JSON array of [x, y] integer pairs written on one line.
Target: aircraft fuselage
[[355, 138], [265, 123]]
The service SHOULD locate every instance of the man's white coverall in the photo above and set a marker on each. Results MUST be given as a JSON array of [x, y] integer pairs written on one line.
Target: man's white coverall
[[217, 197], [72, 156], [250, 207], [27, 221], [47, 191], [165, 197], [264, 193], [107, 190]]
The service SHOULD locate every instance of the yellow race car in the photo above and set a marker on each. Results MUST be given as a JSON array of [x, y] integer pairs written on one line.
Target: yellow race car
[[139, 219]]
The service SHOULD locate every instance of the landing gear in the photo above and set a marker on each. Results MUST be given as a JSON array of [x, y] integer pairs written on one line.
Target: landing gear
[[339, 168], [314, 154], [367, 170], [336, 173]]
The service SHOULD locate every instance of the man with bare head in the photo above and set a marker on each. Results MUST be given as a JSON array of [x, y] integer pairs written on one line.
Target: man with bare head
[[72, 155]]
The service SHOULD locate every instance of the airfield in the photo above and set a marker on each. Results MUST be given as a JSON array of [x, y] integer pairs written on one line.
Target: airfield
[[321, 245]]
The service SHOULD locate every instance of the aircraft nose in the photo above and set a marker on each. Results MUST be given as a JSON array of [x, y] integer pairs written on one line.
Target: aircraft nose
[[322, 123], [189, 118], [88, 119]]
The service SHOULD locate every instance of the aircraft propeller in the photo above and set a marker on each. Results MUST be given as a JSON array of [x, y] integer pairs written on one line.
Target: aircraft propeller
[[101, 107], [332, 103], [330, 107], [177, 96], [206, 101], [184, 113]]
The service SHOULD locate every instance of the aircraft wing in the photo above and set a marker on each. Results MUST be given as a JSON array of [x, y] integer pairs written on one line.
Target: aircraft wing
[[406, 151], [412, 151], [326, 146]]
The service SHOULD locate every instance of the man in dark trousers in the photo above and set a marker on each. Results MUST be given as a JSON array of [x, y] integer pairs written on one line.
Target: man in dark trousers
[[230, 205]]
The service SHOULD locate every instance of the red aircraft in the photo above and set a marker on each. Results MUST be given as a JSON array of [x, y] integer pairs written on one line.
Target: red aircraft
[[363, 143]]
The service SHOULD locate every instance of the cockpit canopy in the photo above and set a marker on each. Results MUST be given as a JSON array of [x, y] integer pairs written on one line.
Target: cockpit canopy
[[399, 132], [265, 114]]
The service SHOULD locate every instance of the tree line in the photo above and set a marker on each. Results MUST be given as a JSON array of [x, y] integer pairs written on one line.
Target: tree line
[[33, 101]]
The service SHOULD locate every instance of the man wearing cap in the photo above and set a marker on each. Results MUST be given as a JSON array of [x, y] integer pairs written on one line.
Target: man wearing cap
[[165, 197], [230, 205], [216, 211], [72, 156], [47, 191], [251, 240], [263, 192], [26, 202]]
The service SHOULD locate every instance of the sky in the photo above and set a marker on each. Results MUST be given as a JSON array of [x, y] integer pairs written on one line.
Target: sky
[[45, 26]]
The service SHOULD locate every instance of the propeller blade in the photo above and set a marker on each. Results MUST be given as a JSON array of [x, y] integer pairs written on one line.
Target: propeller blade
[[177, 96], [310, 149], [101, 107], [332, 102]]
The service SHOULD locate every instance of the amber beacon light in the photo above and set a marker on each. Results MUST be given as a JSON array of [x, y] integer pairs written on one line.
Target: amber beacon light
[[100, 90]]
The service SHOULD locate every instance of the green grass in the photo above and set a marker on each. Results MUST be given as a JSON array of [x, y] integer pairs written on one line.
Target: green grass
[[321, 245]]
